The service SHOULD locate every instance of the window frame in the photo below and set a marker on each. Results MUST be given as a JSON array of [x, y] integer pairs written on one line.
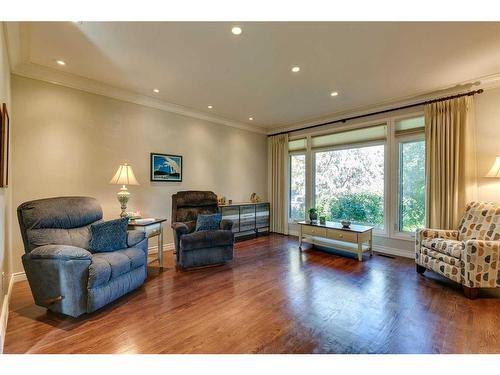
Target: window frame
[[376, 231], [391, 167], [399, 140], [290, 154]]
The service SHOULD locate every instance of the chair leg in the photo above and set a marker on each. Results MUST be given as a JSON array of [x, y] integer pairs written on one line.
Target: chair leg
[[470, 293], [420, 269]]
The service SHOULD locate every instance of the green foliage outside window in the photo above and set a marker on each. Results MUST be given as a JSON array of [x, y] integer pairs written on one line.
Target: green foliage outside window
[[358, 208], [412, 186]]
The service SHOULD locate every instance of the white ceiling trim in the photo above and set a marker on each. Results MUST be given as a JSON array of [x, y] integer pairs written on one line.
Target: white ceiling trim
[[486, 83], [42, 73]]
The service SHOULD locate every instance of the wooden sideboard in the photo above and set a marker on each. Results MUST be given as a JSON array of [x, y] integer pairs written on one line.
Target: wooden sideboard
[[248, 218]]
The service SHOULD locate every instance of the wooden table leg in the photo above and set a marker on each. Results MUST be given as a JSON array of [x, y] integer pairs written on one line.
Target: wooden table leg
[[160, 247], [300, 238], [360, 251], [371, 243]]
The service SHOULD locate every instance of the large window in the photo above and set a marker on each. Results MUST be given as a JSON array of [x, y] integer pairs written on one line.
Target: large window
[[349, 184], [372, 173], [297, 187], [411, 185]]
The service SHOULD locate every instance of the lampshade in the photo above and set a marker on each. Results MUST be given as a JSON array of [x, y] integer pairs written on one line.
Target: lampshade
[[124, 176], [495, 170]]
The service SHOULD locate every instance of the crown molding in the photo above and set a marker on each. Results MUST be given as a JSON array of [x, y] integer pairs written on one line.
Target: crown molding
[[488, 82], [42, 73]]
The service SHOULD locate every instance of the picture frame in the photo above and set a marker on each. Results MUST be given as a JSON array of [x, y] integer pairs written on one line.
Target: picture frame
[[165, 168], [4, 146]]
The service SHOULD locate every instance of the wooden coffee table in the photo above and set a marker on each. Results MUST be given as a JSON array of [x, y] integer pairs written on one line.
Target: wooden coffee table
[[332, 232]]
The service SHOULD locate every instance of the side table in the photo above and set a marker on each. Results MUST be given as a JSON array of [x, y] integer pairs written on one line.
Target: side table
[[152, 229]]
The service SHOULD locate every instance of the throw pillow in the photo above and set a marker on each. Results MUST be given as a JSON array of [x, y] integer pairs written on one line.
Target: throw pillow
[[208, 222], [109, 235]]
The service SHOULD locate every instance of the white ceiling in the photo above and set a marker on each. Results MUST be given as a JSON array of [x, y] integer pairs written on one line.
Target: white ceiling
[[196, 64]]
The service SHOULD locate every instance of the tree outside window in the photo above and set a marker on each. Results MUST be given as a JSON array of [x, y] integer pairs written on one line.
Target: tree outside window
[[349, 184]]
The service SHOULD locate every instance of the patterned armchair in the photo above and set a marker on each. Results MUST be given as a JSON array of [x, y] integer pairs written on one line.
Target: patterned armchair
[[469, 255]]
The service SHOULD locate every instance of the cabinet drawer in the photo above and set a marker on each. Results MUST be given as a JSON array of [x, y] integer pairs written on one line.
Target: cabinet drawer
[[341, 235], [313, 231], [150, 230]]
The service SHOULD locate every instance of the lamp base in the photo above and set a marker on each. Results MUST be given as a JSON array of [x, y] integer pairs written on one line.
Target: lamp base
[[123, 197]]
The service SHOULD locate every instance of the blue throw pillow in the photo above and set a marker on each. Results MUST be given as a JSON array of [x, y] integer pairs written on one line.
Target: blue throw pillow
[[208, 222], [109, 235]]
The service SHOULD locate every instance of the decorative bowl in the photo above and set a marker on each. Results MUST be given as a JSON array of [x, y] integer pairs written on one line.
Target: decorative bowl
[[345, 223]]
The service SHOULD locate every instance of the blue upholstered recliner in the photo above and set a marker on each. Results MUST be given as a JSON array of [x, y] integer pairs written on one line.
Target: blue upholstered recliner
[[64, 275], [199, 248]]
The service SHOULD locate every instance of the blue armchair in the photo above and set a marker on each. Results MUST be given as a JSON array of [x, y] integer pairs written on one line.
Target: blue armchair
[[63, 274], [203, 248]]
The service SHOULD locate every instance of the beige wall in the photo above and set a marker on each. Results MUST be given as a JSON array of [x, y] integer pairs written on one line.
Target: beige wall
[[488, 142], [69, 142], [5, 194]]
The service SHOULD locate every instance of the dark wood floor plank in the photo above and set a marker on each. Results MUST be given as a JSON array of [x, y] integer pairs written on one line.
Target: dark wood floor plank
[[272, 299]]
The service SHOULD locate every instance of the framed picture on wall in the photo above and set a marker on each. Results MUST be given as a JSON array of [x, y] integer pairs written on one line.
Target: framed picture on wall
[[166, 168], [4, 146]]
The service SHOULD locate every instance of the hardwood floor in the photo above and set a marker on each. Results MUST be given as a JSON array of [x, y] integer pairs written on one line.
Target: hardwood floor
[[272, 299]]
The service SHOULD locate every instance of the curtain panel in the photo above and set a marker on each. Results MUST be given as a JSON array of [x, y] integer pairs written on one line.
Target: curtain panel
[[450, 160], [278, 183]]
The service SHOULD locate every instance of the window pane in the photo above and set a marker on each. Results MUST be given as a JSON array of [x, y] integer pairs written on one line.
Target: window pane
[[297, 186], [410, 124], [297, 145], [372, 133], [412, 186], [350, 184]]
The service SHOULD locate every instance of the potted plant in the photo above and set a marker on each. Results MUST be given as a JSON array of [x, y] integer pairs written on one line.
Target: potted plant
[[313, 214]]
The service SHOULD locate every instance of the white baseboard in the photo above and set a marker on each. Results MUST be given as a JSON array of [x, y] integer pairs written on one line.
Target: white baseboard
[[166, 247], [18, 276], [393, 251], [4, 316]]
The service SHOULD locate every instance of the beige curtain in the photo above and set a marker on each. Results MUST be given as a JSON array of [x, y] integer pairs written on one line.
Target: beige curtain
[[450, 160], [278, 183]]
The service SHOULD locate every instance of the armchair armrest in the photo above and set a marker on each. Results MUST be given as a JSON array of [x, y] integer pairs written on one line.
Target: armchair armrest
[[60, 252], [480, 258], [134, 237], [436, 233], [58, 277], [226, 224], [426, 233], [180, 228]]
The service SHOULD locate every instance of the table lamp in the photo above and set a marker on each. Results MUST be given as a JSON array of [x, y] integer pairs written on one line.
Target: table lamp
[[495, 170], [124, 176]]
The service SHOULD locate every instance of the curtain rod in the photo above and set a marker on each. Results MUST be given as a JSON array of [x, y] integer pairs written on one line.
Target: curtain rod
[[470, 93]]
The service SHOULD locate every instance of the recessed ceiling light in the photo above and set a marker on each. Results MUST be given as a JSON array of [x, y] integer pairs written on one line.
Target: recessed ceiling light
[[250, 118], [156, 90], [334, 93], [60, 62], [210, 106], [296, 69], [236, 30]]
